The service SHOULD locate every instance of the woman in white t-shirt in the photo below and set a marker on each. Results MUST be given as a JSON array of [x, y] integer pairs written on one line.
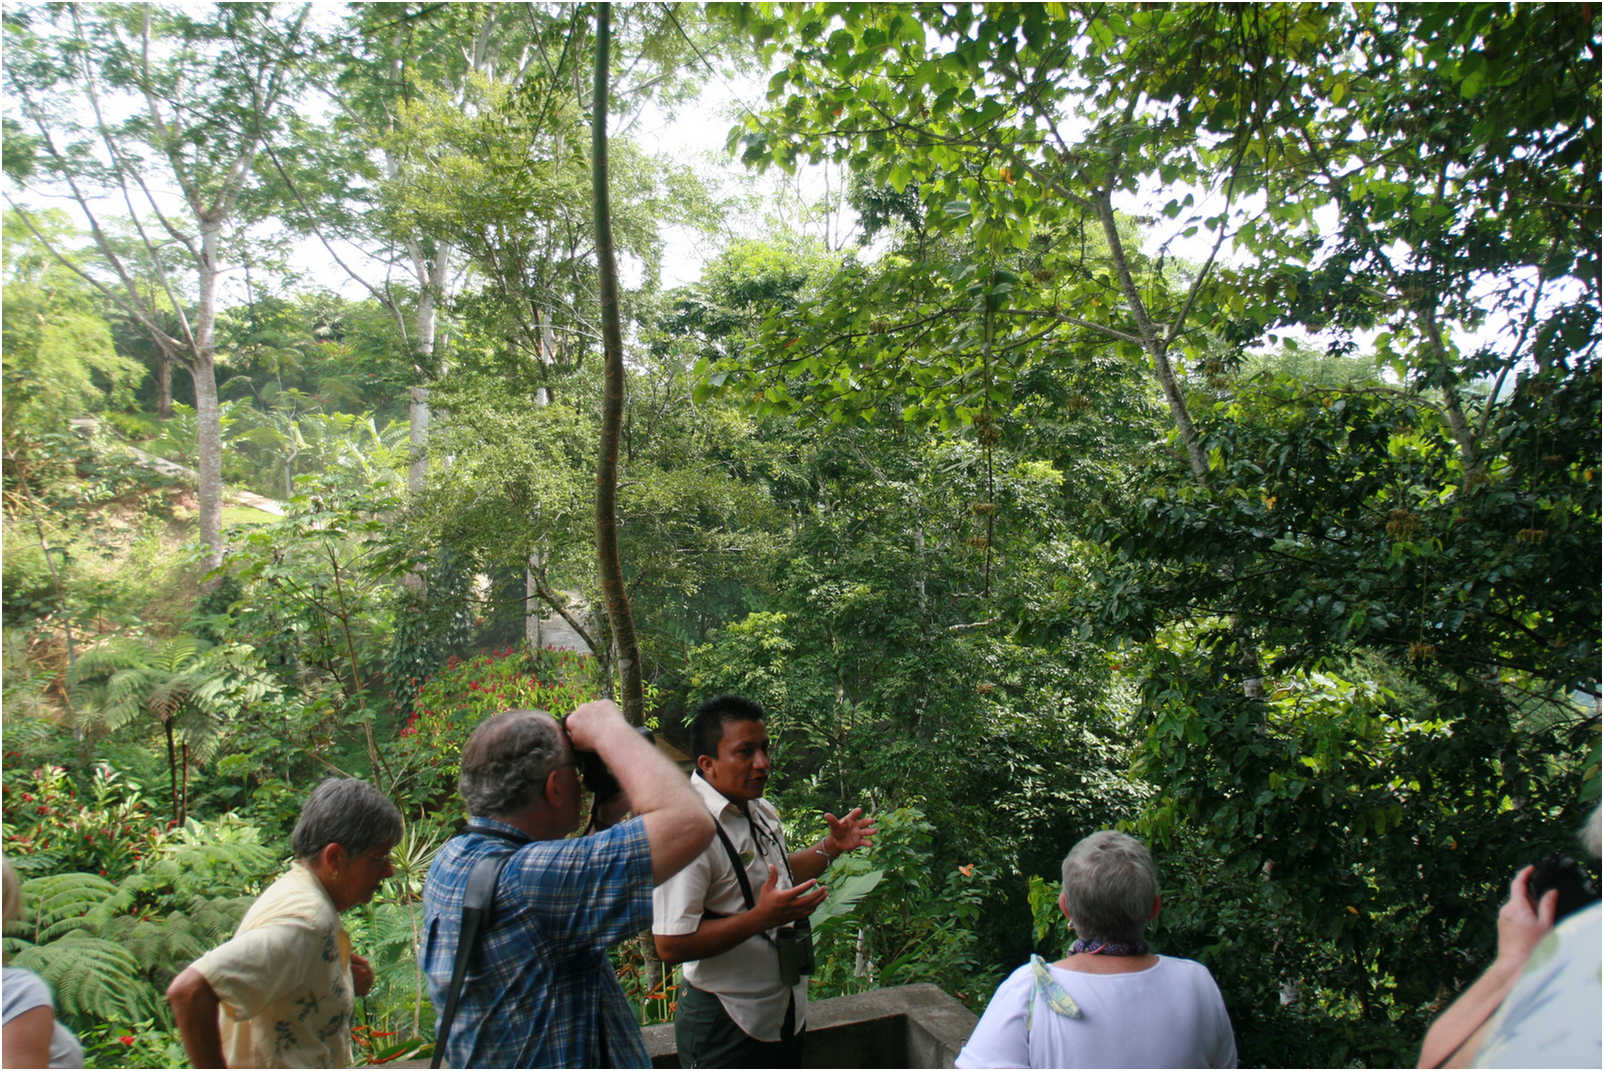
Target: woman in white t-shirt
[[1110, 1002]]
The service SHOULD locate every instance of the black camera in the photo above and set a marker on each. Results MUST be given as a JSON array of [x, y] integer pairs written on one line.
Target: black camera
[[1565, 874], [795, 944], [594, 774]]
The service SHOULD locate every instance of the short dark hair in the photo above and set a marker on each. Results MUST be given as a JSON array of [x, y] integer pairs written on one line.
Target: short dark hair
[[506, 760], [349, 812], [707, 728]]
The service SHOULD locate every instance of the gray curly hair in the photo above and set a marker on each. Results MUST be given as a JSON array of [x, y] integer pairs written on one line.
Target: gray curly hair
[[1109, 886], [506, 760]]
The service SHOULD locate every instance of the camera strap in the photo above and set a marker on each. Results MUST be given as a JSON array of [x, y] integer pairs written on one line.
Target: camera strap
[[741, 876], [735, 864]]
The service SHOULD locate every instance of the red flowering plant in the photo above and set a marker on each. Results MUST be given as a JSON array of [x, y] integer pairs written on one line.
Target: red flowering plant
[[50, 826], [467, 691]]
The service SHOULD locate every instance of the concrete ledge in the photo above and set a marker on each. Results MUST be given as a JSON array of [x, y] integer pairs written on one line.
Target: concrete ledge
[[903, 1026]]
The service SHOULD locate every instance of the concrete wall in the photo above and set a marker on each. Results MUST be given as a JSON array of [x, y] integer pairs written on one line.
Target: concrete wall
[[903, 1026]]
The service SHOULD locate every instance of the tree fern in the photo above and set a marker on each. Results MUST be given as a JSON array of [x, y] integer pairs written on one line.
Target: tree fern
[[26, 686], [93, 978], [109, 949], [189, 687], [193, 867]]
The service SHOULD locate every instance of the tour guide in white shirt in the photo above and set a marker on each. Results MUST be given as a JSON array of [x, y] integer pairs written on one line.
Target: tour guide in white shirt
[[735, 1010]]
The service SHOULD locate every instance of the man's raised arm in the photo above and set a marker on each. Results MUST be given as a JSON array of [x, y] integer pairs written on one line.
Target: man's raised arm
[[678, 826]]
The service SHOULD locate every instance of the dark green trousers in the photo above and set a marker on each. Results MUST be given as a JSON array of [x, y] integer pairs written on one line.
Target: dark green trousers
[[706, 1036]]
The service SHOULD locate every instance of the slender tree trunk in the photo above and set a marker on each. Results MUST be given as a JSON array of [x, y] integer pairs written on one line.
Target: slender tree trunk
[[172, 765], [612, 575], [357, 686], [208, 413], [1157, 351], [418, 402], [209, 444], [164, 385], [532, 600]]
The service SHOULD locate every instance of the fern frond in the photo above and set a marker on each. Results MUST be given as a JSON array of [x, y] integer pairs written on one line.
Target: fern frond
[[27, 705], [175, 655], [60, 903], [162, 946], [167, 697], [110, 657], [94, 979], [38, 861], [216, 920]]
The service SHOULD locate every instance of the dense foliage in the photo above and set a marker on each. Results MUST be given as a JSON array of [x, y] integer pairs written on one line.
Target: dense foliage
[[1200, 435]]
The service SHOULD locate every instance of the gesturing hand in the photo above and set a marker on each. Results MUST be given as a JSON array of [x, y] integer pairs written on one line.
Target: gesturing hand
[[783, 906], [853, 831]]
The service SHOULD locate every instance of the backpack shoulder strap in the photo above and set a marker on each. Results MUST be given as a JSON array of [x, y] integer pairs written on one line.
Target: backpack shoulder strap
[[478, 903]]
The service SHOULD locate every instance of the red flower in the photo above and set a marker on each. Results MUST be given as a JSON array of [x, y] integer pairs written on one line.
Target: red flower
[[126, 1039]]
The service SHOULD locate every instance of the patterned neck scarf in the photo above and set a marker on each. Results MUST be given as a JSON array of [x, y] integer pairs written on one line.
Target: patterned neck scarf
[[1107, 948]]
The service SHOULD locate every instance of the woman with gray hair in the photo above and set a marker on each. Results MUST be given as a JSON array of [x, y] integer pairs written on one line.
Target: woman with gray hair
[[1111, 1002], [281, 991]]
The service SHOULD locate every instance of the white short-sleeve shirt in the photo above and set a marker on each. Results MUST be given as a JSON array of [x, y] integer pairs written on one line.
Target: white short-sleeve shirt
[[1169, 1015], [1551, 1016], [284, 980], [746, 979]]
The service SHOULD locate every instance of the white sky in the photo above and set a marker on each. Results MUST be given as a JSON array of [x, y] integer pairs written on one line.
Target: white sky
[[696, 136]]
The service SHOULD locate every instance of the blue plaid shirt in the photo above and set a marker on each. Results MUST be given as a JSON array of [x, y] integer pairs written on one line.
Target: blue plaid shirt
[[541, 990]]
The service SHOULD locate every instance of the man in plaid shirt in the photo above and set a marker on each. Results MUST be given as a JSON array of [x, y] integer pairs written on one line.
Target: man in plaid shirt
[[541, 992]]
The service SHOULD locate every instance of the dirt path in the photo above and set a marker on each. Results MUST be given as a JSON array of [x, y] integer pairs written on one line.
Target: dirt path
[[90, 426]]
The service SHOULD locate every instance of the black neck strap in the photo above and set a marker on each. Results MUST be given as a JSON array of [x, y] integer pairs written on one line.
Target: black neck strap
[[735, 863]]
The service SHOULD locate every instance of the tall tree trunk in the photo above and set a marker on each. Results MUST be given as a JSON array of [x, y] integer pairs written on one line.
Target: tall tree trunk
[[208, 413], [418, 438], [612, 575], [431, 276]]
